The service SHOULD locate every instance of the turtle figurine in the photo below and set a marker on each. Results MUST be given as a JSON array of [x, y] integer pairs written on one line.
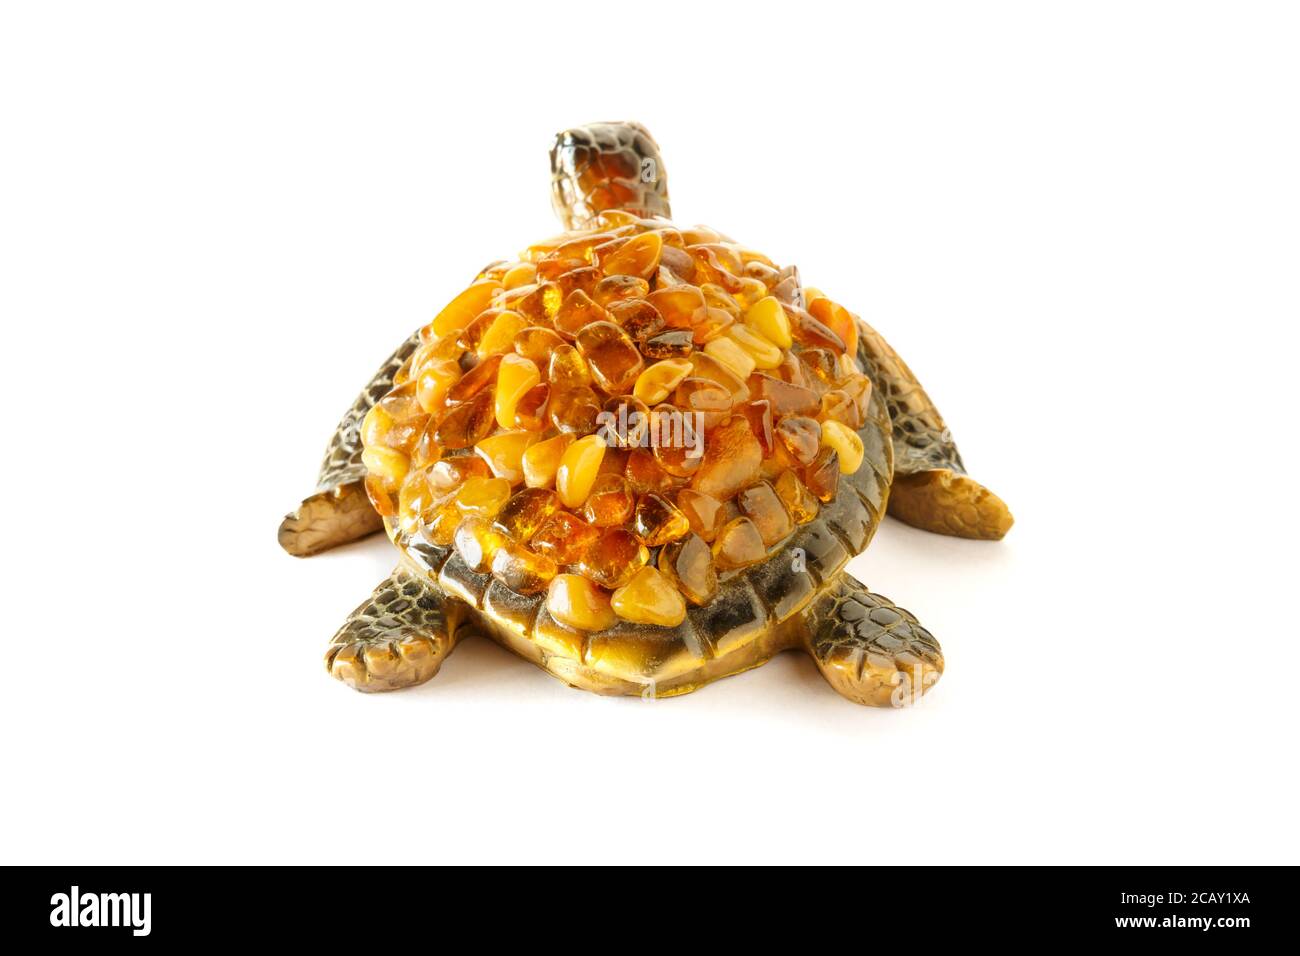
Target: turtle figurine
[[639, 456]]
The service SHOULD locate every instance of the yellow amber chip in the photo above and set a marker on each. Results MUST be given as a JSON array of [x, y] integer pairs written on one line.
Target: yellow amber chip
[[500, 335], [377, 423], [767, 317], [639, 256], [483, 497], [764, 353], [542, 460], [730, 354], [579, 466], [433, 381], [657, 382], [515, 376], [573, 600], [649, 598], [384, 463], [845, 442], [525, 273], [463, 309], [504, 453]]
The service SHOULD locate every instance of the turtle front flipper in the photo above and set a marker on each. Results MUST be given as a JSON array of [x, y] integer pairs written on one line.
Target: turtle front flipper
[[931, 489], [340, 511], [397, 638], [870, 650]]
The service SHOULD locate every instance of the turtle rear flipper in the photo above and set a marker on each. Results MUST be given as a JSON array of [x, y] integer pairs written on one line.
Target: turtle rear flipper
[[869, 649], [340, 511], [397, 638], [931, 489]]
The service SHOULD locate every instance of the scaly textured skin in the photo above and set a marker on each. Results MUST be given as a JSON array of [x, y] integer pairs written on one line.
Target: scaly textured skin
[[931, 489], [398, 637], [607, 166], [870, 650], [339, 511]]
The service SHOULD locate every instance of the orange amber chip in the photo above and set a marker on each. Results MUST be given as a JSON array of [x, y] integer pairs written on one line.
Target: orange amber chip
[[839, 406], [526, 512], [564, 538], [577, 312], [798, 500], [678, 305], [645, 473], [738, 545], [838, 319], [800, 437], [689, 563], [638, 256], [542, 460], [786, 398], [475, 380], [704, 512], [613, 558], [538, 304], [759, 416], [823, 476], [657, 521], [612, 356], [537, 344], [576, 410], [521, 570], [467, 424], [568, 369], [822, 364], [610, 502], [465, 307], [638, 318], [673, 343], [614, 289], [761, 505], [732, 457], [530, 411]]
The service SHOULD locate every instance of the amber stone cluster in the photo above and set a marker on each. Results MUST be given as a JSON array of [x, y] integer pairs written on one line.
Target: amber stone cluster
[[495, 439]]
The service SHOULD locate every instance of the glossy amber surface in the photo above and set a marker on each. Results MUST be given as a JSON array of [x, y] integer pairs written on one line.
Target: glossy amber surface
[[618, 416]]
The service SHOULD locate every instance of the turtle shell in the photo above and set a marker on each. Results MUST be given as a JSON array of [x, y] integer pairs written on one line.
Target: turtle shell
[[639, 450]]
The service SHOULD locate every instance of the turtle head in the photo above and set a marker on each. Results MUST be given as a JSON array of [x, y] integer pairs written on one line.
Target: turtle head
[[604, 166]]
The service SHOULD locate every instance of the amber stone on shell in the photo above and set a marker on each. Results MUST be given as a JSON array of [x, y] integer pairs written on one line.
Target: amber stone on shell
[[689, 562]]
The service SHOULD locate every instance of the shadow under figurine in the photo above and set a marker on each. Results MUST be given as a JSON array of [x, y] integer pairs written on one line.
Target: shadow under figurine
[[640, 457]]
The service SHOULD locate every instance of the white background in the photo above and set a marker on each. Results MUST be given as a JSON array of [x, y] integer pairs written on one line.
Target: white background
[[1078, 223]]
